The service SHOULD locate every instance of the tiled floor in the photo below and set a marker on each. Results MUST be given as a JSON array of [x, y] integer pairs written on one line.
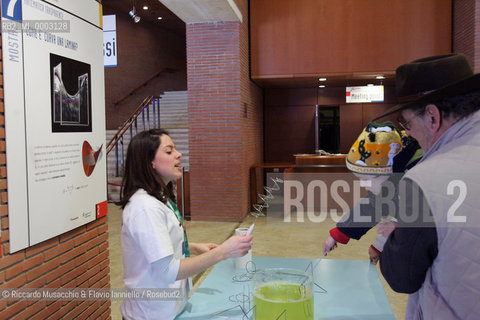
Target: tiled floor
[[272, 238]]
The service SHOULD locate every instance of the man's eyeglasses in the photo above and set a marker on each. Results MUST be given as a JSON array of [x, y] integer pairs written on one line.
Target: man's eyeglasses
[[406, 124]]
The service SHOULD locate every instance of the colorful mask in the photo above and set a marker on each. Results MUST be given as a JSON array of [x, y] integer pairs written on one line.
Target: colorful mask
[[374, 149]]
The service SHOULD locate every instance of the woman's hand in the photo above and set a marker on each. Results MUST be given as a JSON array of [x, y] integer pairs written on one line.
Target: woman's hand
[[233, 247], [236, 246]]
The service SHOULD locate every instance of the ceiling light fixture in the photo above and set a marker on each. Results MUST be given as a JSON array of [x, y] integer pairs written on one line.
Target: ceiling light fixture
[[145, 7], [321, 86], [380, 77], [132, 14], [159, 18], [322, 79]]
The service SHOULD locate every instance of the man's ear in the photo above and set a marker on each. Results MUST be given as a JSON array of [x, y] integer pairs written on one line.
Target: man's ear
[[433, 118]]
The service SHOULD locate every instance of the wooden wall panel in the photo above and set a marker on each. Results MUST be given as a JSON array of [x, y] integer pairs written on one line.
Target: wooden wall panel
[[351, 124], [288, 130], [291, 96], [372, 110], [343, 36], [276, 22], [331, 96], [289, 119]]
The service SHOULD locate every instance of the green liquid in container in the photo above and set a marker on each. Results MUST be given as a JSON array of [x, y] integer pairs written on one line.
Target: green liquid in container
[[283, 300]]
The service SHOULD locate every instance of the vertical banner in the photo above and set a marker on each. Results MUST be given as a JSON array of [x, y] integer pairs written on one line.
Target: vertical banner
[[54, 117], [109, 41]]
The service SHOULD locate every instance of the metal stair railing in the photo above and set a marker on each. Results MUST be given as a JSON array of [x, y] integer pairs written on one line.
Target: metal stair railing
[[131, 125]]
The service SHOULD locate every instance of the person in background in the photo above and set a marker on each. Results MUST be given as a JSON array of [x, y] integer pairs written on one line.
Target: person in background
[[155, 247], [379, 152], [433, 253]]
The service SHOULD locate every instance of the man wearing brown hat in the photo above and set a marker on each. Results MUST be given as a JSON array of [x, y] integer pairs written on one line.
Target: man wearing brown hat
[[434, 253]]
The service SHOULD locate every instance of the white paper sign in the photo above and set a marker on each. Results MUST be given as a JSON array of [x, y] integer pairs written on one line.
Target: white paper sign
[[364, 94], [109, 41]]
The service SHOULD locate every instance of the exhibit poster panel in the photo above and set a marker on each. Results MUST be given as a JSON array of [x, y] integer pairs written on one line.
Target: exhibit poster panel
[[54, 117]]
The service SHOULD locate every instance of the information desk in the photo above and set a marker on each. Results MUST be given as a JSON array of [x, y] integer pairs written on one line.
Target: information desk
[[353, 290]]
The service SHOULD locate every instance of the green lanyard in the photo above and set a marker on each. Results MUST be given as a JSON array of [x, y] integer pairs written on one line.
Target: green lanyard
[[174, 208]]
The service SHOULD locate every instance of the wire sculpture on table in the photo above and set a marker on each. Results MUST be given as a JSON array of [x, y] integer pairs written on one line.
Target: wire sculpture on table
[[250, 269], [250, 266], [265, 198], [312, 268], [244, 299]]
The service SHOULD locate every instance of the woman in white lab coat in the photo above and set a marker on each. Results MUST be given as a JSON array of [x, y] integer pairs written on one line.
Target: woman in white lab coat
[[155, 247]]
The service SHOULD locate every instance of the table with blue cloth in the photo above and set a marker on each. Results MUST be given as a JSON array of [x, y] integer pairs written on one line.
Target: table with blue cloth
[[343, 290]]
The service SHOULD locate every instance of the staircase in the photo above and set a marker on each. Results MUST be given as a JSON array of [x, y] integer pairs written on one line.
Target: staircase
[[173, 118]]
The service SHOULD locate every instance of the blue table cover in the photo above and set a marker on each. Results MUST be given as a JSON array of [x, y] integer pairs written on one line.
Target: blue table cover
[[353, 290]]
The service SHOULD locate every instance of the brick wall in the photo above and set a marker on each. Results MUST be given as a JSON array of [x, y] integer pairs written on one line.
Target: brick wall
[[225, 119], [76, 259], [466, 27]]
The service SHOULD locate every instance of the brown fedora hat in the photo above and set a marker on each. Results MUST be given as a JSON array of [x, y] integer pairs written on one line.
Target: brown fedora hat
[[432, 79]]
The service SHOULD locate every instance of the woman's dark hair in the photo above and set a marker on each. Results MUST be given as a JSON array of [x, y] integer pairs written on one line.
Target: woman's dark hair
[[139, 172]]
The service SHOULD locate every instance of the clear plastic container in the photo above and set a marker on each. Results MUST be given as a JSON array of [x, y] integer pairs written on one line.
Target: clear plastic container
[[281, 293]]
